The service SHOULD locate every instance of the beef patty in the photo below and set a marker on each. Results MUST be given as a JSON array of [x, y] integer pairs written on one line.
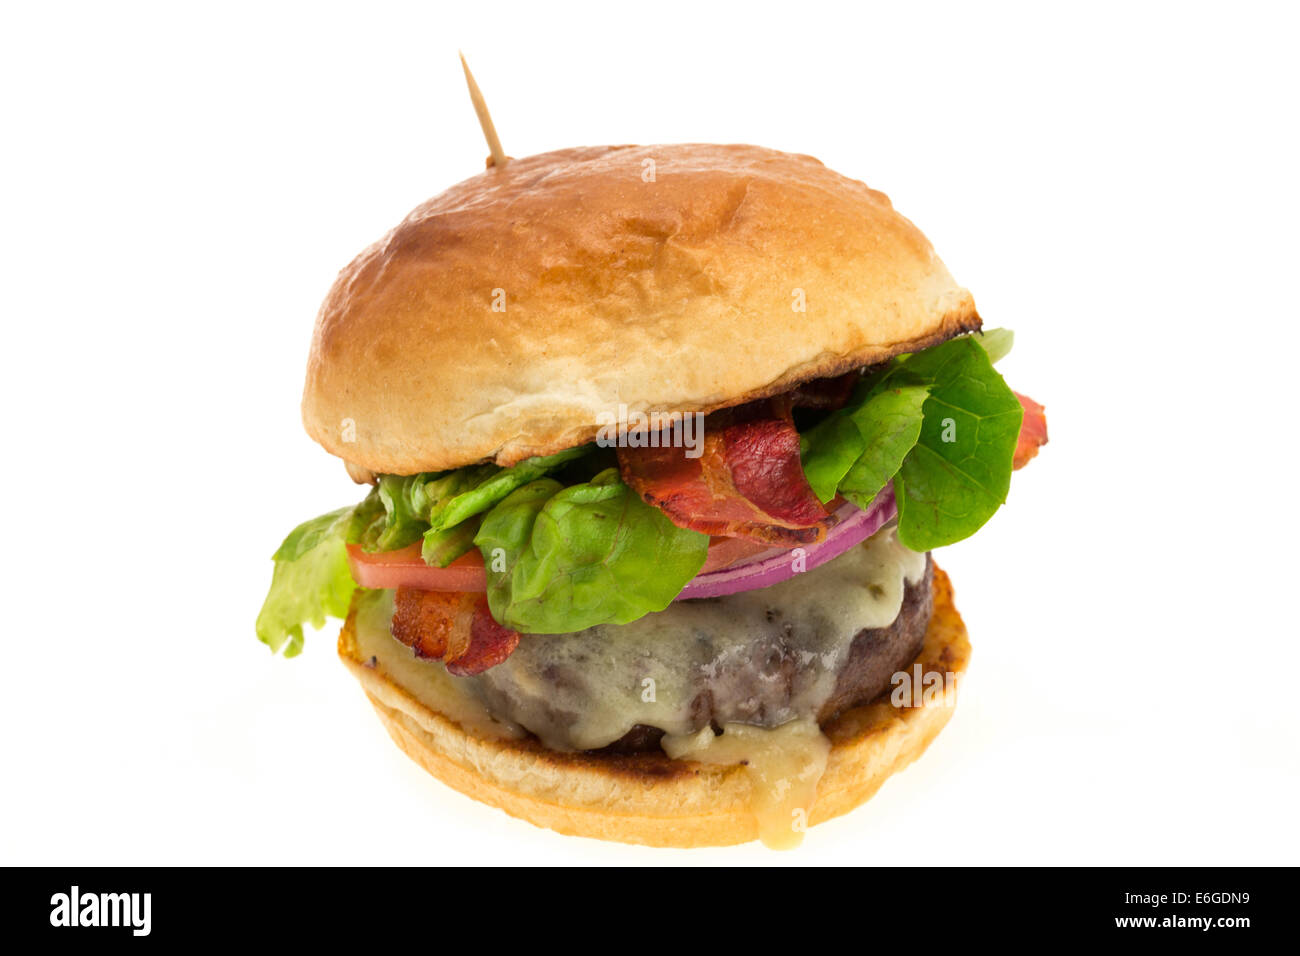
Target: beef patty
[[876, 654], [779, 659]]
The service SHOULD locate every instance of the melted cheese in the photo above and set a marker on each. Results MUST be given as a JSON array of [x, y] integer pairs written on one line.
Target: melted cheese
[[764, 657], [783, 764], [426, 681]]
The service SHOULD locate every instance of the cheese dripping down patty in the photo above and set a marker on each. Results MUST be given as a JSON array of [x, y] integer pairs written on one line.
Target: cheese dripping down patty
[[784, 766]]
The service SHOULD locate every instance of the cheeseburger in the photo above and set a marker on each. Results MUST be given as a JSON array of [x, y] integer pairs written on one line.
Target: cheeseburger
[[659, 441]]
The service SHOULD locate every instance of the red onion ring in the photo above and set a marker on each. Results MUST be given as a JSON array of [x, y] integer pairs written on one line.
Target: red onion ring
[[853, 526]]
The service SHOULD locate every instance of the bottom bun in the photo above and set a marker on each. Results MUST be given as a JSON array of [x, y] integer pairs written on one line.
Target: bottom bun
[[648, 798]]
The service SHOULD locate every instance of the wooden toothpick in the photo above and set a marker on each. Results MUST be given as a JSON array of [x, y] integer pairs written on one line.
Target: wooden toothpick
[[484, 117]]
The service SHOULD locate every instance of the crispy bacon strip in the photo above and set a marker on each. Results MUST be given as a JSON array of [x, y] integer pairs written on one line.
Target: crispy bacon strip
[[1033, 431], [451, 626], [748, 483], [764, 458], [489, 643]]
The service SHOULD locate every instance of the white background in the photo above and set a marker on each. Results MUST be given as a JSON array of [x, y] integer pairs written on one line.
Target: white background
[[1117, 184]]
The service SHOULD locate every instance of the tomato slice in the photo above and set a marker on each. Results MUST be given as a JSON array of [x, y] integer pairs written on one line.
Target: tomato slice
[[406, 569]]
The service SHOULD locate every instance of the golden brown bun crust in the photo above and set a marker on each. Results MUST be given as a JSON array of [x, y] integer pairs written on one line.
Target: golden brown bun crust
[[671, 295], [648, 798]]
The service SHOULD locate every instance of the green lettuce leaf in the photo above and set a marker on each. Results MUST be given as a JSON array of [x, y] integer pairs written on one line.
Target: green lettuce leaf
[[405, 503], [311, 580], [827, 451], [959, 471], [941, 423], [890, 424], [418, 506], [492, 487], [445, 545], [856, 453], [997, 342], [563, 559]]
